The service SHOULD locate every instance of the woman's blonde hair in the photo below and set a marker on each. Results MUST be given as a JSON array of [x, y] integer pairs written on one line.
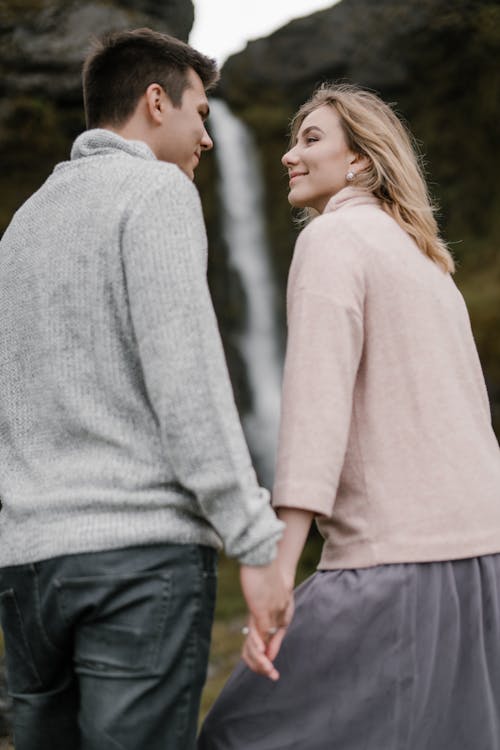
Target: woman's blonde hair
[[394, 175]]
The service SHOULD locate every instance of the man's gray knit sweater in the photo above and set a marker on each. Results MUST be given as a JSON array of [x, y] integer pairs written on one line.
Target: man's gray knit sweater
[[117, 420]]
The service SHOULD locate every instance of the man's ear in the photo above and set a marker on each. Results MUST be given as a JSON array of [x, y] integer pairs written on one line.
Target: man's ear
[[156, 102]]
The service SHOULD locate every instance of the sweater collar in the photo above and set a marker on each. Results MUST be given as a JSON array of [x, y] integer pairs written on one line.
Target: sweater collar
[[101, 142], [350, 196]]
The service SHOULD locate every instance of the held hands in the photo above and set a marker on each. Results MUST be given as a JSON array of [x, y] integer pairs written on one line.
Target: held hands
[[269, 594], [259, 653], [270, 601]]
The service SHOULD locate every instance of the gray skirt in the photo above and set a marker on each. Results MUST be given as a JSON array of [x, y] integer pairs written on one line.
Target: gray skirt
[[395, 657]]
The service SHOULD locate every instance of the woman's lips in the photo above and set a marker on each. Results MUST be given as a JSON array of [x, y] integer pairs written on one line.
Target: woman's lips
[[294, 175]]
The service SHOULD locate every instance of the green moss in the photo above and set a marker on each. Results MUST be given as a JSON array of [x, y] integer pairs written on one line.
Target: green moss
[[481, 291], [35, 134], [18, 11]]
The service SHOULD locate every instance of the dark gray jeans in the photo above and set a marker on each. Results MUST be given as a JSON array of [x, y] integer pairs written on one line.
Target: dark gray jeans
[[109, 650]]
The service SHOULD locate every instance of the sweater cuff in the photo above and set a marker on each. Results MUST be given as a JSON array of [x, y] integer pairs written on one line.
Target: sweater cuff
[[265, 552]]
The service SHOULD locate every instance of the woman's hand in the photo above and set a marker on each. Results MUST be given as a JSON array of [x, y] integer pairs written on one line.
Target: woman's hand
[[258, 653], [261, 648]]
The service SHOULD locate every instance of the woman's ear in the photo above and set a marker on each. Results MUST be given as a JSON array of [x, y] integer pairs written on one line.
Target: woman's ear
[[360, 161]]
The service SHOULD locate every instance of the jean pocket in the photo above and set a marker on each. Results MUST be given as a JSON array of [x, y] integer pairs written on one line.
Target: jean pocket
[[119, 621], [22, 674]]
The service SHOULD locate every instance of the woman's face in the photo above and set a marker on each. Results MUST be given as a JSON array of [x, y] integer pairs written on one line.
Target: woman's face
[[318, 163]]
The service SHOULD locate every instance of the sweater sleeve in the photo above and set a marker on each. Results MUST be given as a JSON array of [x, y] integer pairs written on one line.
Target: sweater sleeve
[[185, 373], [324, 347]]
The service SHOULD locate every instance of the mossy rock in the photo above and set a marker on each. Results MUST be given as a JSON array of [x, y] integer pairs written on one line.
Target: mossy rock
[[34, 135]]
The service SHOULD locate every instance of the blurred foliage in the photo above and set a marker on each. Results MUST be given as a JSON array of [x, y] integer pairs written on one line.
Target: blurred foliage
[[481, 290], [18, 11], [453, 107]]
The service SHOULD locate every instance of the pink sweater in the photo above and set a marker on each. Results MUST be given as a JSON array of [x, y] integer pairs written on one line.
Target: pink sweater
[[385, 427]]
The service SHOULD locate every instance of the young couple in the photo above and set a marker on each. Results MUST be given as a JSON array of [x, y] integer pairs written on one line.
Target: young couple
[[124, 467]]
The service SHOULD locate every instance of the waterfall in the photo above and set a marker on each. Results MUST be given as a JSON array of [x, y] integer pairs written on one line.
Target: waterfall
[[243, 226]]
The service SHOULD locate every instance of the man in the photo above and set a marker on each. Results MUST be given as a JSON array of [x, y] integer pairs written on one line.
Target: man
[[123, 462]]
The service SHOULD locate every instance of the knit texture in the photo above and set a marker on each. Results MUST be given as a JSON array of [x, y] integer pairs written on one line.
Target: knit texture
[[386, 432], [117, 421]]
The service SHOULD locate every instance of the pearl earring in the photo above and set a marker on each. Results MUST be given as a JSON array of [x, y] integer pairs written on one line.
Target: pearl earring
[[350, 176]]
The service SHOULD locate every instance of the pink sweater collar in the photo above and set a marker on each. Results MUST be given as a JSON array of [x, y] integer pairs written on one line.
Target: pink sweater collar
[[350, 196]]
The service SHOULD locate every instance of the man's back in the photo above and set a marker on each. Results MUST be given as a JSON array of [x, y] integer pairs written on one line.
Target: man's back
[[108, 377]]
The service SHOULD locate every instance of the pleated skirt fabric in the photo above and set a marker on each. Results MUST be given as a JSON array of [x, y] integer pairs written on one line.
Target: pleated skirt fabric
[[394, 657]]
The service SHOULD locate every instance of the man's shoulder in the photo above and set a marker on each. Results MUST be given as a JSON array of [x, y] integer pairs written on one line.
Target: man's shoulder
[[166, 182], [100, 152], [152, 175], [129, 174]]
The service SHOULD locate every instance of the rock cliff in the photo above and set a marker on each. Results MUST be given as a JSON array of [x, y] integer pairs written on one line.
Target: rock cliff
[[43, 41], [42, 45]]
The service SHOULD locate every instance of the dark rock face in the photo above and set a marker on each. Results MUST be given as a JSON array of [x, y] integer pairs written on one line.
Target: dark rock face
[[353, 39], [43, 43], [42, 46], [438, 60], [375, 44], [177, 15]]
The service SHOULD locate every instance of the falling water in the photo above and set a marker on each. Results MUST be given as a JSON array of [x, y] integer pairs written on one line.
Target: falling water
[[241, 195]]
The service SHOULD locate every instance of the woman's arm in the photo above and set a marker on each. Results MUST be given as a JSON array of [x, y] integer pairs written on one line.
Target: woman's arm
[[260, 654], [297, 524]]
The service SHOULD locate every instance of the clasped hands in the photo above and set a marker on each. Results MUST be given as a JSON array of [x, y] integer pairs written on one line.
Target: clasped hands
[[270, 601]]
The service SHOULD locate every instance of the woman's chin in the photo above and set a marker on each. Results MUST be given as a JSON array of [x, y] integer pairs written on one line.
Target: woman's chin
[[296, 201]]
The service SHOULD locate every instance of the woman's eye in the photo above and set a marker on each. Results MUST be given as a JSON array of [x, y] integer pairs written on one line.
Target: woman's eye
[[311, 139]]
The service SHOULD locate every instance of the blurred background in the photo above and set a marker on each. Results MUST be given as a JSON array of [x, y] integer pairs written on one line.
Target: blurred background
[[437, 60]]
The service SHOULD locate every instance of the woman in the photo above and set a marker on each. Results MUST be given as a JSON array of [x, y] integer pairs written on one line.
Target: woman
[[386, 441]]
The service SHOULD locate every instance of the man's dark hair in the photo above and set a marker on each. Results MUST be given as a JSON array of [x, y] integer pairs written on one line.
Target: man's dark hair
[[121, 66]]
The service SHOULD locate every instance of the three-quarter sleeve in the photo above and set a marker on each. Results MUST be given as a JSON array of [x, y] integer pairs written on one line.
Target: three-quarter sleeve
[[185, 373], [325, 303]]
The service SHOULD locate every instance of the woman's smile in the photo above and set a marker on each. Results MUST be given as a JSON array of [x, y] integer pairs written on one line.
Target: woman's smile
[[320, 153]]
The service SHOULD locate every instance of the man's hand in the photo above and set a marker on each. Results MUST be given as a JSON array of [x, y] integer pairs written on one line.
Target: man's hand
[[270, 603]]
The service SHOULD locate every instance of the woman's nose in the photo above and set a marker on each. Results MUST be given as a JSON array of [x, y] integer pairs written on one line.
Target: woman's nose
[[289, 158]]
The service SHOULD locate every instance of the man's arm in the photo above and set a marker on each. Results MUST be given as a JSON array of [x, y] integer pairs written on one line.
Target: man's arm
[[185, 373]]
